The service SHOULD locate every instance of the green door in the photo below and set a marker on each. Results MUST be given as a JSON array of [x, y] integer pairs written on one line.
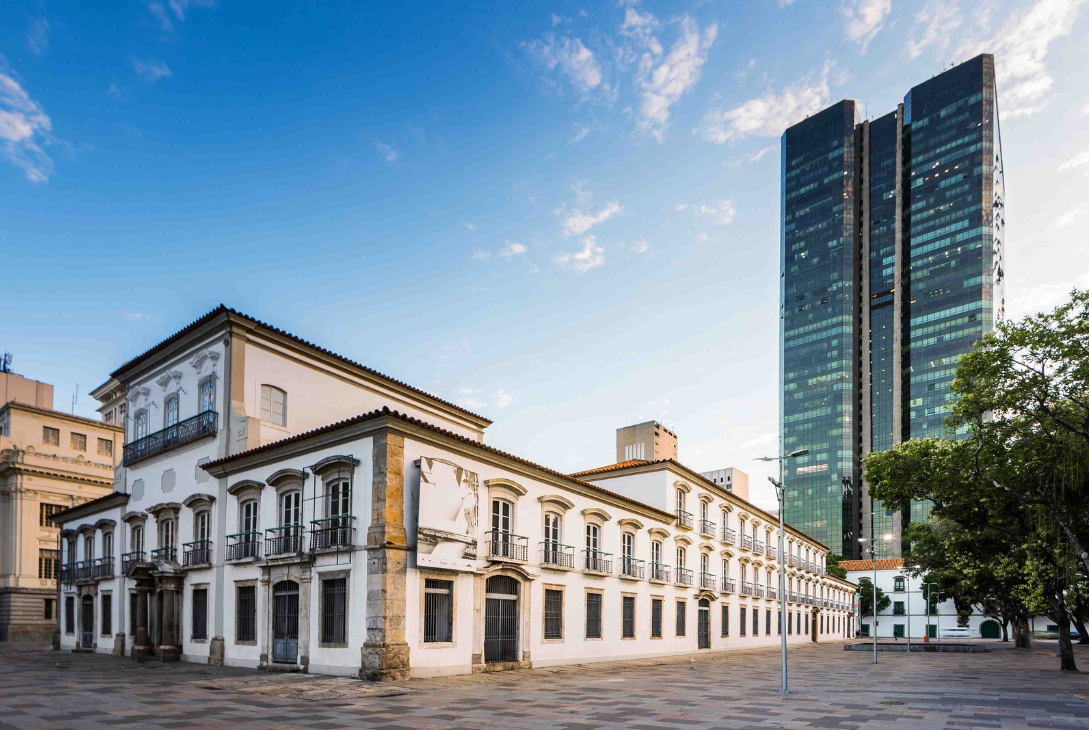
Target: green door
[[990, 630], [932, 631]]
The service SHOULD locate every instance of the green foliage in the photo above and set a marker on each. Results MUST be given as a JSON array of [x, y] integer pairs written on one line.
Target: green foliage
[[831, 564], [865, 602]]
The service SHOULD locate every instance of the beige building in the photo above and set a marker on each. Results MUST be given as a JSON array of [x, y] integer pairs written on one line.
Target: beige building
[[24, 390], [49, 461], [650, 441], [731, 479]]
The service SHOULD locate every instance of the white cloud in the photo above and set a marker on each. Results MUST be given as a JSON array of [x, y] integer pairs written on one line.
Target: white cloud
[[455, 349], [640, 28], [178, 9], [512, 249], [753, 156], [589, 257], [573, 59], [151, 69], [470, 226], [1076, 161], [502, 399], [764, 438], [581, 189], [1070, 216], [482, 255], [680, 206], [142, 317], [578, 223], [721, 213], [770, 114], [1043, 298], [864, 19], [664, 84], [37, 38], [640, 246], [940, 20], [387, 151], [24, 129], [1020, 47]]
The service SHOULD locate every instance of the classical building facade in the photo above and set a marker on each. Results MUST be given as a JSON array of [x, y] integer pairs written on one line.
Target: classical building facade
[[49, 462], [294, 533]]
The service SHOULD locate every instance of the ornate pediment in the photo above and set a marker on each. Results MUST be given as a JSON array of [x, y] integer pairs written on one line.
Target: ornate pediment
[[204, 361]]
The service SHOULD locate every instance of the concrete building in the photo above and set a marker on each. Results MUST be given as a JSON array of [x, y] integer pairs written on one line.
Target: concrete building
[[49, 461], [650, 441], [892, 267], [16, 388], [338, 521], [731, 478]]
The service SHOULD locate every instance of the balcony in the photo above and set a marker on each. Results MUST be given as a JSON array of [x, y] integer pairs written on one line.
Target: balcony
[[244, 545], [684, 576], [555, 555], [130, 559], [284, 540], [505, 546], [332, 533], [772, 552], [198, 552], [707, 528], [68, 573], [729, 585], [757, 590], [595, 561], [85, 570], [793, 560], [659, 573], [757, 546], [684, 519], [708, 581], [746, 542], [773, 592], [746, 588], [729, 536], [165, 554], [632, 568], [181, 433], [103, 568]]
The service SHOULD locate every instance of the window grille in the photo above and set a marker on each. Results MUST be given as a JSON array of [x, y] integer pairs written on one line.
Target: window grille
[[553, 614], [681, 616], [69, 615], [656, 618], [46, 512], [725, 620], [756, 622], [51, 436], [247, 614], [438, 610], [105, 447], [767, 621], [744, 611], [593, 615], [107, 614], [200, 613], [629, 617], [334, 611], [48, 561]]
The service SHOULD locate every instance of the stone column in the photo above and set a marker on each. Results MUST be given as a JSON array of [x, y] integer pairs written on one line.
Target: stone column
[[142, 648], [385, 653], [304, 620], [168, 647]]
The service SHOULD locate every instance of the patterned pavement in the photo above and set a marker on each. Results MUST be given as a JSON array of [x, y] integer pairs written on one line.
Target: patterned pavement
[[831, 688]]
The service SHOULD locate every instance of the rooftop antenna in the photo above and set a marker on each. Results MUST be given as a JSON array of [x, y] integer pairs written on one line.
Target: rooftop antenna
[[5, 362], [74, 397]]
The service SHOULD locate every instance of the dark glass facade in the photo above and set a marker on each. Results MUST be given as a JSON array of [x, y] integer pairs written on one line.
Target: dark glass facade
[[892, 268]]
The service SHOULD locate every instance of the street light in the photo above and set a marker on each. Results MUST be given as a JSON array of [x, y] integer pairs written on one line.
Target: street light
[[938, 630], [780, 493]]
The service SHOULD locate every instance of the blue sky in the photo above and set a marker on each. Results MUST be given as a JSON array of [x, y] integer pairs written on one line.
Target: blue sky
[[564, 216]]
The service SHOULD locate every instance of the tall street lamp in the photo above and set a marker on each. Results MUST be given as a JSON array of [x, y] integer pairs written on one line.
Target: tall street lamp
[[780, 493]]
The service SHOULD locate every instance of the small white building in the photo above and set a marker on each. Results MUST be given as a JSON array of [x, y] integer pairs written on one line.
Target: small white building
[[283, 507]]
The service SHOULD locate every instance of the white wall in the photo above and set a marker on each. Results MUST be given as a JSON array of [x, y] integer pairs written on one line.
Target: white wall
[[913, 597]]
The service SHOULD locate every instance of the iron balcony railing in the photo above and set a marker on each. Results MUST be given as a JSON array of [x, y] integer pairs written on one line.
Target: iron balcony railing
[[684, 519], [181, 433], [793, 560], [507, 546], [708, 581], [332, 532], [85, 570], [283, 540], [746, 588], [728, 535], [758, 590], [130, 559], [103, 567], [68, 573], [632, 567], [557, 555], [165, 554], [244, 545], [746, 542], [684, 576], [772, 553], [198, 552], [757, 546], [707, 528], [659, 572], [596, 561], [728, 585], [773, 592]]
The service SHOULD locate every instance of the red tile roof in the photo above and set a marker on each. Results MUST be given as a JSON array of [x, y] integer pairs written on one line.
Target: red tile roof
[[221, 309], [612, 467], [882, 564]]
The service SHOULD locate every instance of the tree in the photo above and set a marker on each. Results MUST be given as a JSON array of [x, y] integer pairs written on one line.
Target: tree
[[865, 599], [831, 564]]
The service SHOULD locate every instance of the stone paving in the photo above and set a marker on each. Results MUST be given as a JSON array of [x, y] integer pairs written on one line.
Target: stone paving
[[831, 688]]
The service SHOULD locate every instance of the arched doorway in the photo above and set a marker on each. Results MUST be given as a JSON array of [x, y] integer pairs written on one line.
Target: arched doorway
[[501, 619], [704, 624], [285, 622], [87, 621], [990, 630]]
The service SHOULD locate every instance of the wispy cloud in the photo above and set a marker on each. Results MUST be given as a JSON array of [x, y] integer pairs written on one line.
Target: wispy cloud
[[115, 92], [664, 83], [864, 19], [1071, 215], [37, 37], [590, 256], [1044, 297], [770, 114], [482, 255], [470, 226], [512, 249], [934, 26], [1078, 160], [142, 317], [680, 206], [753, 156], [764, 438], [721, 213], [150, 69], [388, 152], [640, 245], [640, 28], [576, 223], [455, 349], [174, 10], [573, 59], [502, 399], [24, 129]]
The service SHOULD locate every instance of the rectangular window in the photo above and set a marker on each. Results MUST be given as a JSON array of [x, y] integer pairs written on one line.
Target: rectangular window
[[656, 618], [69, 614], [78, 442], [246, 614], [334, 611], [898, 608], [725, 620], [272, 405], [553, 614], [49, 609], [105, 447], [438, 610], [790, 623], [755, 621], [48, 561], [200, 613], [681, 616], [46, 512], [778, 623], [106, 605], [767, 622], [744, 616], [51, 436], [593, 615], [629, 617], [133, 598]]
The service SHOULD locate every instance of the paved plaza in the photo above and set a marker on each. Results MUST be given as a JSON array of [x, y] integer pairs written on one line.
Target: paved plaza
[[831, 688]]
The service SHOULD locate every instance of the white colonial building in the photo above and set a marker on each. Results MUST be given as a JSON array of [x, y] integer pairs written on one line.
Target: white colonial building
[[281, 506]]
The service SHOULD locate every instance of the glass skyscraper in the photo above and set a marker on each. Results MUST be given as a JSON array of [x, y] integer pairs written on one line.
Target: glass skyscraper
[[891, 268]]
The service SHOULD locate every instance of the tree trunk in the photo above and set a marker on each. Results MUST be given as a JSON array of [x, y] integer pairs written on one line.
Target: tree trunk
[[1080, 624], [1022, 636], [1005, 633], [1062, 618]]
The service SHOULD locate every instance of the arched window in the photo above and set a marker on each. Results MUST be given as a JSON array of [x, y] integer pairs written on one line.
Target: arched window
[[291, 509], [170, 411], [107, 544], [207, 401], [725, 567], [627, 546], [656, 552], [681, 557], [248, 516], [137, 535], [705, 512], [273, 405], [202, 525], [338, 498], [502, 517], [553, 529], [89, 547], [139, 424], [680, 500], [593, 537], [705, 563]]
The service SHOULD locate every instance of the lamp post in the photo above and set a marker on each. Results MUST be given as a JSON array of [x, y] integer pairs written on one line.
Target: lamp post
[[780, 493], [938, 629]]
